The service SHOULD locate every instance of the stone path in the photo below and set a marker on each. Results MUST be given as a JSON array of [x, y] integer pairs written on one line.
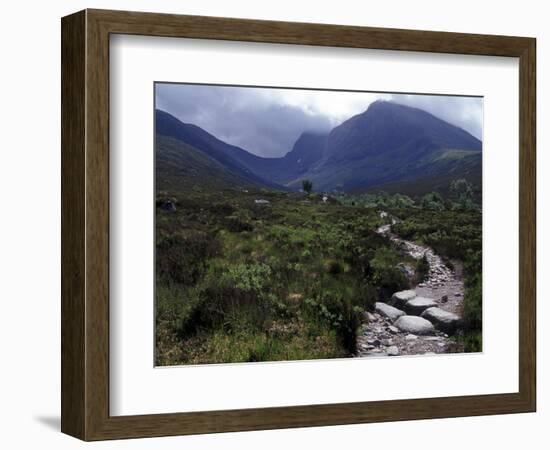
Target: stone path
[[417, 321]]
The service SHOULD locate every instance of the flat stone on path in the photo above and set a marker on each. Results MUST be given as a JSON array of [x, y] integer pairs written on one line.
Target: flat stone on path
[[400, 298], [442, 320], [388, 311], [417, 305], [414, 325]]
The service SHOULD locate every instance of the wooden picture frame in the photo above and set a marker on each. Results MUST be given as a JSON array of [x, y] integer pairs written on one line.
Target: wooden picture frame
[[85, 224]]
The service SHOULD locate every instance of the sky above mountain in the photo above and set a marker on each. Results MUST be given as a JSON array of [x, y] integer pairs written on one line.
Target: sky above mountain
[[267, 121]]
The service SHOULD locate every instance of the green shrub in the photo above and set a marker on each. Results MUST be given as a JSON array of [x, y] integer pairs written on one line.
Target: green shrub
[[183, 258], [386, 276], [232, 298], [335, 309], [247, 277], [473, 294], [236, 225], [433, 201], [422, 269], [334, 267], [473, 342]]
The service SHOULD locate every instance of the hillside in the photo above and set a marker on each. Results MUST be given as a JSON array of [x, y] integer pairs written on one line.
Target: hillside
[[180, 166], [229, 157]]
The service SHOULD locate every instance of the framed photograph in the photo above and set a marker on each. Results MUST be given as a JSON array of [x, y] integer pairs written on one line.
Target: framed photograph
[[272, 225]]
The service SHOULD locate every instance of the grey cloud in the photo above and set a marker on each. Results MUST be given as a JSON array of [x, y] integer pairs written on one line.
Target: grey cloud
[[244, 117]]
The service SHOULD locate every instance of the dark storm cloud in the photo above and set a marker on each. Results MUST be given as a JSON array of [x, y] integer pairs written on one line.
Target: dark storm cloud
[[254, 119], [267, 122]]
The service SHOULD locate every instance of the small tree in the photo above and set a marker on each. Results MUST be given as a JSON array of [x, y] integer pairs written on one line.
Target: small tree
[[462, 189], [433, 201], [307, 185], [463, 192]]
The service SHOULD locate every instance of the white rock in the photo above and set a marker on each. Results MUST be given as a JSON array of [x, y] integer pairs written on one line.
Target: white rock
[[411, 337], [417, 305], [400, 298], [392, 351], [442, 320], [393, 329], [388, 311], [370, 317], [414, 325]]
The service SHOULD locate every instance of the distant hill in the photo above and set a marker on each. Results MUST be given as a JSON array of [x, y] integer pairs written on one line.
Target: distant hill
[[228, 157], [180, 166], [389, 146]]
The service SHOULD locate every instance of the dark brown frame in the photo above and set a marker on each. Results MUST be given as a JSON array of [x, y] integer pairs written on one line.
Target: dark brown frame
[[85, 224]]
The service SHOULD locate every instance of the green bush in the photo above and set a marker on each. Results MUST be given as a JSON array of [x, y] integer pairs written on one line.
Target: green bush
[[183, 258], [339, 314], [233, 298], [386, 276], [236, 225], [334, 267], [433, 201], [472, 342], [473, 293]]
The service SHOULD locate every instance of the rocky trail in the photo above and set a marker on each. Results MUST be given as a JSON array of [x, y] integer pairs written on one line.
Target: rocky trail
[[419, 321]]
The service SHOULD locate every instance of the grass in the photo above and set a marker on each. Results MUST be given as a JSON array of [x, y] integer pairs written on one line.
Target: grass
[[238, 281]]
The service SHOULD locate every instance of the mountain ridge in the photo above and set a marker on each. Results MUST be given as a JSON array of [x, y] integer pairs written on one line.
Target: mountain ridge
[[387, 143]]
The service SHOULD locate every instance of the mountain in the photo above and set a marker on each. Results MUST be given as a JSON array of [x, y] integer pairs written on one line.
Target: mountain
[[225, 155], [387, 126], [390, 142], [389, 146]]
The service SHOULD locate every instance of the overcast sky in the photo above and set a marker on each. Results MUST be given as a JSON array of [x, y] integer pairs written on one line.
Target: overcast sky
[[267, 122]]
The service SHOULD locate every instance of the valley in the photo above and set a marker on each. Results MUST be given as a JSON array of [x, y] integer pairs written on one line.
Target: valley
[[304, 256]]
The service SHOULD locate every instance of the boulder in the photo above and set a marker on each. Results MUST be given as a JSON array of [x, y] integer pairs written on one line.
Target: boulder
[[168, 205], [442, 320], [400, 298], [417, 305], [392, 351], [369, 317], [414, 325], [388, 311]]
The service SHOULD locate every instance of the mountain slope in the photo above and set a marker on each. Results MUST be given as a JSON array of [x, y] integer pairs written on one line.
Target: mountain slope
[[230, 157], [390, 142], [180, 166]]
